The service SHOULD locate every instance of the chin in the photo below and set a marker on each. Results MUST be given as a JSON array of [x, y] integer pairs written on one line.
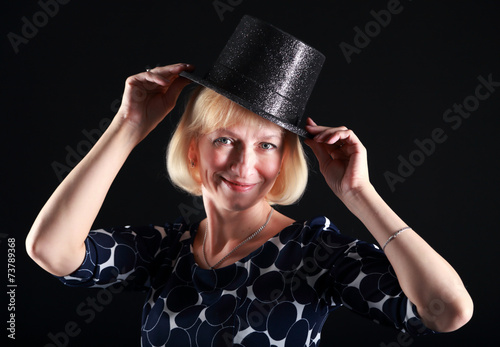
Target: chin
[[241, 203], [233, 200]]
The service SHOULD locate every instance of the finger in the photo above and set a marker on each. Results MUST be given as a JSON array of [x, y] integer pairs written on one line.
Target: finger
[[175, 90], [170, 72], [315, 129], [310, 121], [319, 150], [153, 80], [332, 135], [158, 80], [162, 76]]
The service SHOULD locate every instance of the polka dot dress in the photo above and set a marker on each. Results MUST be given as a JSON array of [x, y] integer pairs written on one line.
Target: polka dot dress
[[279, 295]]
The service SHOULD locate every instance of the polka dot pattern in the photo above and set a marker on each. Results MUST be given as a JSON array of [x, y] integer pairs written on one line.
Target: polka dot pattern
[[279, 295]]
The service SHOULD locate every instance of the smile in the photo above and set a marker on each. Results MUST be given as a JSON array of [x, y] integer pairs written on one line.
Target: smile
[[239, 187]]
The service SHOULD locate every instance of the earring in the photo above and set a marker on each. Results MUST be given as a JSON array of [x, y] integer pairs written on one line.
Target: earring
[[192, 164]]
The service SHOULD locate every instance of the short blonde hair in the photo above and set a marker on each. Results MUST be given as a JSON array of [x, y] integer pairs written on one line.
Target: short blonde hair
[[208, 111]]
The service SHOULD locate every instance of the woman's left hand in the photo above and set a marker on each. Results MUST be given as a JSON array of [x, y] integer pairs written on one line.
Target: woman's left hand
[[343, 162], [341, 156]]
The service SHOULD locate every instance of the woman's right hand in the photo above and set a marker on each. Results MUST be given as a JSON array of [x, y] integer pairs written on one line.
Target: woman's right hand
[[56, 240], [149, 96]]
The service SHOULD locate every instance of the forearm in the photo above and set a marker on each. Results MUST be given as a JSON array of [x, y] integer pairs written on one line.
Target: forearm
[[425, 277], [56, 239]]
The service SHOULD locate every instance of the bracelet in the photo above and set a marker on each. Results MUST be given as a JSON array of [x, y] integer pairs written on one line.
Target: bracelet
[[393, 236]]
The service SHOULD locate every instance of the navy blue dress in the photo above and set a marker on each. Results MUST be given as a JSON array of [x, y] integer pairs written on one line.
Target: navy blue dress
[[280, 294]]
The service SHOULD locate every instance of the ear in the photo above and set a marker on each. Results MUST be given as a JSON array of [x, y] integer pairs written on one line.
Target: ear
[[193, 154], [193, 158]]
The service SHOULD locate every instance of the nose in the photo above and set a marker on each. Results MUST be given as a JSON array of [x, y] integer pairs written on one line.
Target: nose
[[244, 161]]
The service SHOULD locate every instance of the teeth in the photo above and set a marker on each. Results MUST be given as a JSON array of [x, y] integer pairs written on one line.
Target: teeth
[[236, 184]]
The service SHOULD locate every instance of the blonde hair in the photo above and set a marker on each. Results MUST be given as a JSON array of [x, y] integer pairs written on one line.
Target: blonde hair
[[208, 111]]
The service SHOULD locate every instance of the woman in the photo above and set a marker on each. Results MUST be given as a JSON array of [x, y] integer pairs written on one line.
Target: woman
[[246, 274]]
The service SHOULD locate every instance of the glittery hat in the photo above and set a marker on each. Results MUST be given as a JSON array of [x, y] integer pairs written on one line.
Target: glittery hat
[[267, 71]]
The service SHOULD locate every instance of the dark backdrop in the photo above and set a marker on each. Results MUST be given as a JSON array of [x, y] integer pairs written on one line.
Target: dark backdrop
[[410, 90]]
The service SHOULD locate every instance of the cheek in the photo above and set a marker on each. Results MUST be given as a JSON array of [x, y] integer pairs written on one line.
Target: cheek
[[269, 167], [213, 160]]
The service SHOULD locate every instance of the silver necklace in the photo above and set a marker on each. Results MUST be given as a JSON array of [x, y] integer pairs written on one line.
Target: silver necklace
[[238, 246]]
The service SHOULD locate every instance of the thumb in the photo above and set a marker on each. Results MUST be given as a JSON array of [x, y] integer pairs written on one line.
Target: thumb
[[319, 150], [175, 90]]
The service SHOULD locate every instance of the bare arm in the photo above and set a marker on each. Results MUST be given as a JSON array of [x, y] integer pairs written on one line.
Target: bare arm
[[56, 239], [425, 277]]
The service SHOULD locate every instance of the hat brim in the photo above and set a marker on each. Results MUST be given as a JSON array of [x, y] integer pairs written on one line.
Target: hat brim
[[249, 106]]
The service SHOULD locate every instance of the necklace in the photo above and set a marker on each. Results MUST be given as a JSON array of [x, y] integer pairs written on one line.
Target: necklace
[[256, 232]]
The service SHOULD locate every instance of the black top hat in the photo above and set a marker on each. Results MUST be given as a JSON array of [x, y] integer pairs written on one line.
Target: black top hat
[[267, 71]]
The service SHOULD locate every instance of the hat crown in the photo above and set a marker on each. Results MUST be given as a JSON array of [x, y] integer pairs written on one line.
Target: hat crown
[[267, 71], [273, 58]]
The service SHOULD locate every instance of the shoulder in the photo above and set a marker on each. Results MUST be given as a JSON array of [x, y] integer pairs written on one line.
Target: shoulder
[[320, 232], [147, 239], [155, 233], [307, 231]]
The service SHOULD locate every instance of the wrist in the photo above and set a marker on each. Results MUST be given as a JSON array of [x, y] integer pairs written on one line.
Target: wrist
[[358, 197], [129, 131], [369, 207]]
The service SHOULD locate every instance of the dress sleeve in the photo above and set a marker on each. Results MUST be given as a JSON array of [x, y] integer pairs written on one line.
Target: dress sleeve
[[129, 255], [359, 276]]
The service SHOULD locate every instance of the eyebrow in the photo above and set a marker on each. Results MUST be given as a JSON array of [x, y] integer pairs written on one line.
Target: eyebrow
[[263, 137]]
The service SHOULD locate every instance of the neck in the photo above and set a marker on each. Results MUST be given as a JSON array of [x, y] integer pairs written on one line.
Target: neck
[[228, 228]]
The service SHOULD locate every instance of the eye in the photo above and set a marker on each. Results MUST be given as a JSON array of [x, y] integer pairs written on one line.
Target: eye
[[267, 146], [223, 141]]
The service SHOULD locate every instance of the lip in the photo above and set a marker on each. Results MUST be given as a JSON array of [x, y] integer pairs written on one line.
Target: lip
[[238, 186]]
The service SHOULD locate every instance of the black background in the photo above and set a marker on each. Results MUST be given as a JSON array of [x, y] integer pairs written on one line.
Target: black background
[[68, 77]]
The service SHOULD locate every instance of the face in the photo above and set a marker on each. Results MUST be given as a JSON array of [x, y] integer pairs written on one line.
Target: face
[[238, 165]]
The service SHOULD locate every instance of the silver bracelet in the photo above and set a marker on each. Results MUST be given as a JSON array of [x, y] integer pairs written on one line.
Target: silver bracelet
[[393, 236]]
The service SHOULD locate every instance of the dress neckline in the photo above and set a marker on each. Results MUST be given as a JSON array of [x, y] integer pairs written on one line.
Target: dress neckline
[[194, 229]]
